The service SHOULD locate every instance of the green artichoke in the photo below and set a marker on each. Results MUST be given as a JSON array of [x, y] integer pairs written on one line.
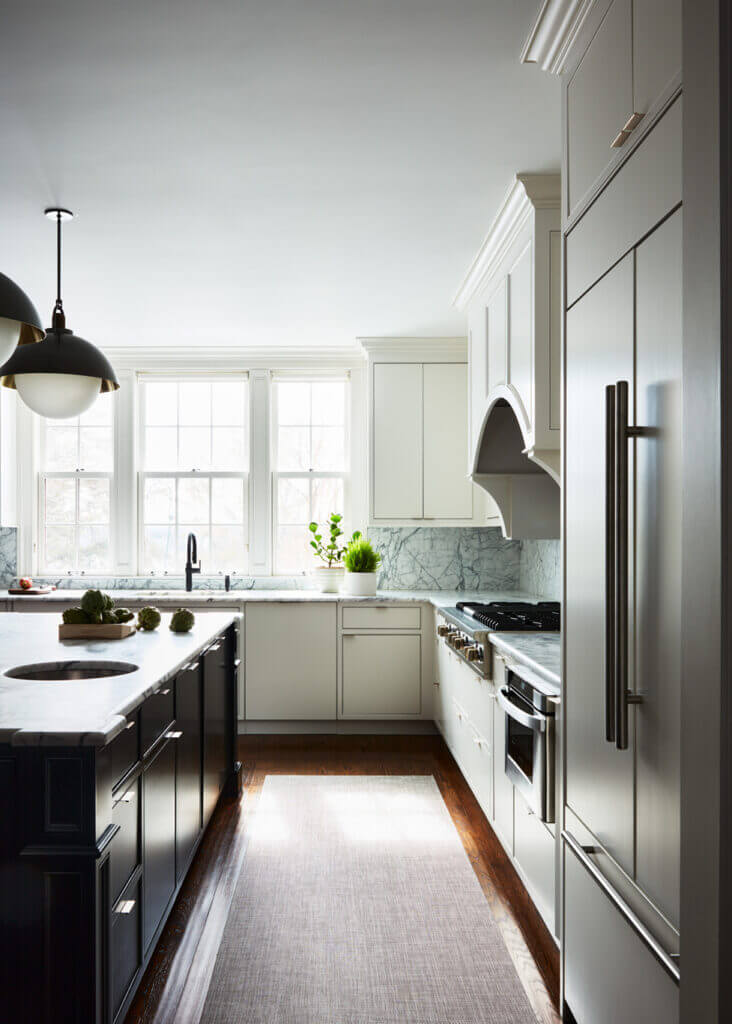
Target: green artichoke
[[109, 619], [123, 614], [75, 617], [108, 602], [148, 618], [94, 604], [182, 620]]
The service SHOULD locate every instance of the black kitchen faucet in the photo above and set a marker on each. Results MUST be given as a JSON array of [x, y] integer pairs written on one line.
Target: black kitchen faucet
[[191, 558]]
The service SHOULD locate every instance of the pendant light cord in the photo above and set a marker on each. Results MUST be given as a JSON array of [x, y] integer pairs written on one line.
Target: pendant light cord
[[59, 320]]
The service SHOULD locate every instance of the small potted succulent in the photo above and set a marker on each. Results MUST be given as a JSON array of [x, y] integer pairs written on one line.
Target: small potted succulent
[[328, 576], [361, 562]]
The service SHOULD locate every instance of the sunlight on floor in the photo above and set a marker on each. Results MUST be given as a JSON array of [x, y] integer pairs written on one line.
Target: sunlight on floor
[[388, 817]]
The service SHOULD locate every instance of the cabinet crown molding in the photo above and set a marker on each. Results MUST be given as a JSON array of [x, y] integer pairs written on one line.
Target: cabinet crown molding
[[231, 358], [528, 192], [418, 350], [557, 26]]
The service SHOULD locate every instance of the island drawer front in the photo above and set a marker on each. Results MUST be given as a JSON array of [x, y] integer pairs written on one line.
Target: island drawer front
[[125, 940], [123, 750], [125, 854], [156, 714], [381, 617]]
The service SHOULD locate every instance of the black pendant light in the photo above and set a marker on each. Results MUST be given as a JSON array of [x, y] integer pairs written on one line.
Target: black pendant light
[[20, 323], [62, 375]]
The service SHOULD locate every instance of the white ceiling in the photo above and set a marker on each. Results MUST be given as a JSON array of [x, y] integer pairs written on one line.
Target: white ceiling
[[258, 172]]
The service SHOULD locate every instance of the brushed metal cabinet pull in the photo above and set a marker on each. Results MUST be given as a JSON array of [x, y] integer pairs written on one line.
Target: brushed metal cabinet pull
[[125, 907], [131, 725], [174, 734], [620, 139], [633, 121]]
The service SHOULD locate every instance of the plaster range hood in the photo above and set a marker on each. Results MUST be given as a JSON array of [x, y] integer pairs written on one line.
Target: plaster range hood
[[512, 297], [525, 494]]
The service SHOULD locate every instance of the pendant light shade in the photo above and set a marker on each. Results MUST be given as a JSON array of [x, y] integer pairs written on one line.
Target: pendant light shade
[[20, 323], [62, 375]]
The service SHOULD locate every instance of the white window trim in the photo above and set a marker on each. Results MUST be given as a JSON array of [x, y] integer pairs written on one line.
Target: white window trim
[[143, 377], [311, 377], [79, 474], [261, 366]]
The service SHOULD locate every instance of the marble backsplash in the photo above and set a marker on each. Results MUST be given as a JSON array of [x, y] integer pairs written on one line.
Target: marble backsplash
[[446, 558], [541, 568], [413, 558]]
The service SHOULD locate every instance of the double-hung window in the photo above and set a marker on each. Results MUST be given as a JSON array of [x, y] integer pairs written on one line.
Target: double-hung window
[[310, 419], [75, 490], [194, 451]]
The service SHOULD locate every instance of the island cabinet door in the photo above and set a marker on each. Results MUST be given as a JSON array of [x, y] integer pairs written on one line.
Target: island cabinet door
[[188, 770], [215, 698], [158, 783]]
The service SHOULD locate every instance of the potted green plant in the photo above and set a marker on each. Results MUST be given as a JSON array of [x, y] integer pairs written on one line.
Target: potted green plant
[[362, 562], [330, 551]]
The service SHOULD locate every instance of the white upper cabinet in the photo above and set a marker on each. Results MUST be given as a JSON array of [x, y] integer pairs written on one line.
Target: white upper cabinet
[[629, 69], [419, 436], [512, 296]]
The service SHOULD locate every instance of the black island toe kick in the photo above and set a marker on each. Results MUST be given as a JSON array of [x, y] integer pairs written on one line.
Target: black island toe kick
[[95, 843]]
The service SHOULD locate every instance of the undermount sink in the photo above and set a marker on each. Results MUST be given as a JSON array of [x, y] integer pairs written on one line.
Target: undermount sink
[[50, 671]]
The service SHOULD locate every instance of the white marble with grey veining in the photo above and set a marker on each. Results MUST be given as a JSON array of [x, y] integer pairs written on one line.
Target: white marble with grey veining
[[540, 652], [541, 567], [446, 558], [8, 554], [88, 712], [240, 598]]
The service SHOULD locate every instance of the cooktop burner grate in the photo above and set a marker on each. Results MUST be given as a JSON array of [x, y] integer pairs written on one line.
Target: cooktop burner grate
[[514, 615]]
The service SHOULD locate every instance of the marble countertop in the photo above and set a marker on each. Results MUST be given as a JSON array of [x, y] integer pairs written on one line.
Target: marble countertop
[[540, 652], [438, 598], [87, 712]]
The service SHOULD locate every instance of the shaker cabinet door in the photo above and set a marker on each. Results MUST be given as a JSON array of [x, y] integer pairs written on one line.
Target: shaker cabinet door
[[656, 50], [158, 783], [599, 101], [188, 766], [599, 351], [396, 471], [448, 493]]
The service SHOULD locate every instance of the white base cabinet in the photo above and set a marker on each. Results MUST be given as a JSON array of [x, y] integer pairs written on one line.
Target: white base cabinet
[[290, 661], [382, 675]]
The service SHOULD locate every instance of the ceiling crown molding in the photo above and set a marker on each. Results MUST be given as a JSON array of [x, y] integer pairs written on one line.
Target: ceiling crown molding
[[528, 192], [555, 30], [231, 358], [416, 349]]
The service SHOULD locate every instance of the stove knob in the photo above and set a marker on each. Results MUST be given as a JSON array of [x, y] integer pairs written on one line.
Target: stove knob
[[443, 630], [474, 654], [459, 642]]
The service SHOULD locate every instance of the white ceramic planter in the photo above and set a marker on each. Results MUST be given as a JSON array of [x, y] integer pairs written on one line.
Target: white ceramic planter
[[360, 584], [328, 581]]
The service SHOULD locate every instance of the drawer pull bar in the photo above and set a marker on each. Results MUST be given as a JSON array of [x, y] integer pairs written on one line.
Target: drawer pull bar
[[130, 725], [174, 734], [668, 961], [162, 693], [125, 907], [633, 121]]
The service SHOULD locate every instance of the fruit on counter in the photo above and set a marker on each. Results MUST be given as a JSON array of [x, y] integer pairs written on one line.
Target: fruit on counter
[[25, 583], [75, 617], [94, 603], [123, 614], [108, 602], [109, 619], [148, 618], [182, 620]]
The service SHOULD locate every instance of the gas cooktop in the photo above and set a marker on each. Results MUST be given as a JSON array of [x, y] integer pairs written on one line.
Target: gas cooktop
[[505, 616]]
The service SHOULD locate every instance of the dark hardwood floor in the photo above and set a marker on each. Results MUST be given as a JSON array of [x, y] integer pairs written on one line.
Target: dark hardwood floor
[[174, 985]]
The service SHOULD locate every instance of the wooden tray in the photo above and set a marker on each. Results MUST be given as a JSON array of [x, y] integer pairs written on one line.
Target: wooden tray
[[88, 631], [32, 592]]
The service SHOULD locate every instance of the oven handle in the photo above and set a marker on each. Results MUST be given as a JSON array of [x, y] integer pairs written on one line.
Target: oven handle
[[535, 722]]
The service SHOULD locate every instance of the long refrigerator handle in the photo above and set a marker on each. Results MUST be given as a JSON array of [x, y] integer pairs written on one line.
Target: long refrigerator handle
[[623, 433], [610, 428]]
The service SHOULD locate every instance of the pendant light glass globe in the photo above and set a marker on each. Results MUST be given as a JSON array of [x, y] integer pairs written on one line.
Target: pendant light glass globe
[[61, 376], [9, 337], [57, 396]]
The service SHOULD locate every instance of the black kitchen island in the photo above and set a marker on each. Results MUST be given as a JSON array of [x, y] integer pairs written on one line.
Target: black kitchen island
[[106, 788]]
